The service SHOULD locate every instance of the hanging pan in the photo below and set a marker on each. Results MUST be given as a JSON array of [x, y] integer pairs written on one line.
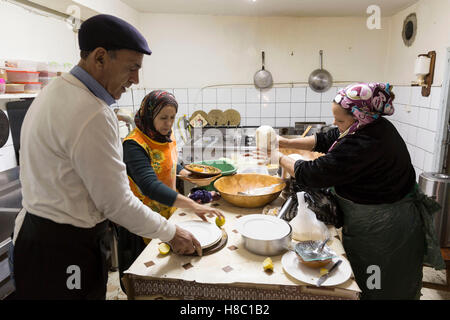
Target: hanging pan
[[263, 78], [320, 80], [4, 128]]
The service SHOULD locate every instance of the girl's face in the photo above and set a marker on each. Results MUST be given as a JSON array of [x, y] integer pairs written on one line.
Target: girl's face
[[342, 119], [164, 120]]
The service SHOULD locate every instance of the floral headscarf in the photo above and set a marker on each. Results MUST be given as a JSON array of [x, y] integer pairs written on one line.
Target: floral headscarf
[[151, 106], [367, 102]]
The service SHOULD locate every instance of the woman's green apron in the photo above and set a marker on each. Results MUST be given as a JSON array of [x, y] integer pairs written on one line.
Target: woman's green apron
[[387, 245]]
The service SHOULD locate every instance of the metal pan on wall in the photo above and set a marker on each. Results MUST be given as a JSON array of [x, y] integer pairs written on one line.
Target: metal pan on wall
[[320, 80], [263, 78]]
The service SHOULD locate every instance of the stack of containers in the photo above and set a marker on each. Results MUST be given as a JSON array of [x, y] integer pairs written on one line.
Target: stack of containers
[[22, 77], [47, 72]]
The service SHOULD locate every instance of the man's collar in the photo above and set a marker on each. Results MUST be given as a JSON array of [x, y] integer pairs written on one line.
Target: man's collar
[[93, 85]]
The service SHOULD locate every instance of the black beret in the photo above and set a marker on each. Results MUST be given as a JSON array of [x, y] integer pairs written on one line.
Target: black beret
[[111, 33]]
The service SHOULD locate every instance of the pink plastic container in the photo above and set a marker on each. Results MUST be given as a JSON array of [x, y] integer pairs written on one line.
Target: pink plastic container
[[2, 86], [22, 76]]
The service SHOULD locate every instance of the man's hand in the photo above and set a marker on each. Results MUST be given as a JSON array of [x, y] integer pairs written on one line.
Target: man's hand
[[184, 242]]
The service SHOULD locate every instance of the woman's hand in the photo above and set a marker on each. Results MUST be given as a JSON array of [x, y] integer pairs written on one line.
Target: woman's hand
[[202, 210], [282, 142], [184, 242]]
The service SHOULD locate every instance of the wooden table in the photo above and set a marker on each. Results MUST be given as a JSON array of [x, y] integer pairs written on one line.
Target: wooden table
[[232, 273]]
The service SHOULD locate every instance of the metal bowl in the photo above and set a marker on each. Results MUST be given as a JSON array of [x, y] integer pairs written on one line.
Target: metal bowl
[[265, 235], [307, 255], [229, 187]]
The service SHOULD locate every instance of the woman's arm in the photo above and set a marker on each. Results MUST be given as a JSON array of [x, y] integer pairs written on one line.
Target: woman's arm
[[307, 143], [142, 173]]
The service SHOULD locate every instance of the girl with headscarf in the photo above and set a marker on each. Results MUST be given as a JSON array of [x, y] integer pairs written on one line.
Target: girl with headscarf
[[150, 155], [388, 233]]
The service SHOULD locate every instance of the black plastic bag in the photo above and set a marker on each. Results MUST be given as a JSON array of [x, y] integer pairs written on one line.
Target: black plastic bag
[[323, 203]]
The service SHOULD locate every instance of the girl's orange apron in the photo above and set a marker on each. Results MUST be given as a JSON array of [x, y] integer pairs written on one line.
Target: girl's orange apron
[[163, 159]]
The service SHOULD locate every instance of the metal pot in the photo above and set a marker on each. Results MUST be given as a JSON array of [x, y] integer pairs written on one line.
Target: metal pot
[[320, 80], [263, 78], [4, 128], [272, 247]]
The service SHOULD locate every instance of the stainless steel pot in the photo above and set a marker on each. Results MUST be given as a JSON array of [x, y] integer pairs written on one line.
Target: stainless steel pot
[[320, 80], [268, 247], [263, 78]]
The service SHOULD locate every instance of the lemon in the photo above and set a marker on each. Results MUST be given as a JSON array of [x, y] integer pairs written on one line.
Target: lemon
[[164, 248], [220, 221], [268, 264], [323, 271]]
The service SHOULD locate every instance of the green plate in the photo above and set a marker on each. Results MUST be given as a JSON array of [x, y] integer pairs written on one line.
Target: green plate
[[226, 168]]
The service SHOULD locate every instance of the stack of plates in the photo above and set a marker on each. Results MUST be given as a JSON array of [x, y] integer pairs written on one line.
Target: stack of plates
[[206, 233]]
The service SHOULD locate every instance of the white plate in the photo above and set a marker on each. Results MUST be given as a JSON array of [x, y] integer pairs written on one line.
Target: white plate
[[299, 271], [262, 227], [206, 233]]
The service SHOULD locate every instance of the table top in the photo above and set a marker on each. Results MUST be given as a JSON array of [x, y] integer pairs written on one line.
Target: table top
[[233, 265]]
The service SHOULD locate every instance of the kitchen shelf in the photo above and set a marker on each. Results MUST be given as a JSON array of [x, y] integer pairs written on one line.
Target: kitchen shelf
[[17, 96]]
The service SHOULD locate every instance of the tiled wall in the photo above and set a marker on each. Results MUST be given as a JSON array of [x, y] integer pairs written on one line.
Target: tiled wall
[[275, 107], [417, 119]]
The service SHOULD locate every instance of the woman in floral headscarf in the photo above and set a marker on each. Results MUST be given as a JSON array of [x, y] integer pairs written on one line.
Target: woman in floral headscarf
[[150, 154], [388, 233]]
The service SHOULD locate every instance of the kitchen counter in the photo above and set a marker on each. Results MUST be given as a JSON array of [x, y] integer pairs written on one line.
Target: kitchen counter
[[231, 273]]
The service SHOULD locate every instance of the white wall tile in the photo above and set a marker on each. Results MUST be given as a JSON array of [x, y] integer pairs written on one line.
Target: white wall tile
[[181, 95], [253, 95], [416, 96], [209, 96], [268, 95], [282, 122], [253, 121], [314, 119], [312, 109], [296, 119], [412, 135], [425, 102], [283, 95], [413, 116], [435, 97], [424, 114], [402, 95], [325, 110], [312, 96], [183, 108], [224, 106], [138, 96], [298, 94], [194, 107], [298, 109], [208, 107], [425, 140], [329, 95], [126, 100], [419, 158], [433, 120], [238, 95], [195, 96], [240, 107], [268, 122], [428, 162], [328, 120], [268, 110], [283, 110], [224, 95], [253, 110]]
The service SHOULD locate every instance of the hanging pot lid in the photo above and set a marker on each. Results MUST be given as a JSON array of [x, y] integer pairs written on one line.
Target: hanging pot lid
[[4, 128]]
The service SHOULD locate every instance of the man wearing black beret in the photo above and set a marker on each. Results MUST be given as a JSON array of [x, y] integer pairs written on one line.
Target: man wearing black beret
[[72, 175]]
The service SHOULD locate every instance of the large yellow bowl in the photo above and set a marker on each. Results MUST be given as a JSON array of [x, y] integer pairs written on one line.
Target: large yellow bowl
[[229, 186]]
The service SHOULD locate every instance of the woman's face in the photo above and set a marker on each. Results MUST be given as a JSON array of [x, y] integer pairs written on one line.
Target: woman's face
[[342, 119], [164, 120]]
